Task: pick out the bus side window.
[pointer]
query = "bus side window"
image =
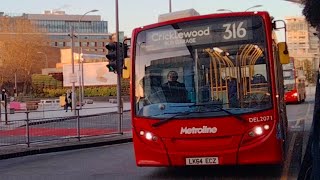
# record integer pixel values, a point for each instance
(258, 78)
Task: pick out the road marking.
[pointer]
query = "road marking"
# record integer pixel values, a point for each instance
(285, 171)
(305, 116)
(304, 139)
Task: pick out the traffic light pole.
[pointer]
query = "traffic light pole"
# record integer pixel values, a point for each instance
(73, 100)
(119, 73)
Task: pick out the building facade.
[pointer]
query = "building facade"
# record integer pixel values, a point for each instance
(303, 44)
(90, 31)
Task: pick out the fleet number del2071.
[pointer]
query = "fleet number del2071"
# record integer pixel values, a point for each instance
(260, 119)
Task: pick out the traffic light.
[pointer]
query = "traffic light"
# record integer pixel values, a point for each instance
(125, 50)
(114, 62)
(112, 56)
(124, 54)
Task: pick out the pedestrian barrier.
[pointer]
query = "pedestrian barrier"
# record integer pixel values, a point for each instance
(30, 127)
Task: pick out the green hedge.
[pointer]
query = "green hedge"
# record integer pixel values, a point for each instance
(46, 86)
(88, 91)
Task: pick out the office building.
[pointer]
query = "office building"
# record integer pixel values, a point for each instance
(303, 44)
(91, 32)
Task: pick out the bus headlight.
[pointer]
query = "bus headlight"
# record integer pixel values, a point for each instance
(148, 135)
(295, 94)
(266, 127)
(258, 130)
(254, 134)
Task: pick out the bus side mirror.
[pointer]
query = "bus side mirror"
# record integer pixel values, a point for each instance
(127, 68)
(283, 53)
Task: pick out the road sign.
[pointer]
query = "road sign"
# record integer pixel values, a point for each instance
(73, 77)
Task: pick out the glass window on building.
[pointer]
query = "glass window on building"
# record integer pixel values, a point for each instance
(99, 44)
(60, 44)
(301, 27)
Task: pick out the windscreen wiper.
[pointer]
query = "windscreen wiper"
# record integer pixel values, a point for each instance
(220, 109)
(161, 122)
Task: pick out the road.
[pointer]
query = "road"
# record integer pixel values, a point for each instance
(117, 161)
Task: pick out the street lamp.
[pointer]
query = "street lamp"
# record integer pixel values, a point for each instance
(169, 6)
(72, 77)
(256, 6)
(81, 78)
(224, 10)
(45, 57)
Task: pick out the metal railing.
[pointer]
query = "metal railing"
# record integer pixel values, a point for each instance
(29, 127)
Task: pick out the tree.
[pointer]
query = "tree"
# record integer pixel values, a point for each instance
(308, 71)
(19, 46)
(312, 13)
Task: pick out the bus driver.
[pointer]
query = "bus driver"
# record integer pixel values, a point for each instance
(174, 91)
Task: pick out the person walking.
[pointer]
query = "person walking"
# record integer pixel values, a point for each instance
(68, 100)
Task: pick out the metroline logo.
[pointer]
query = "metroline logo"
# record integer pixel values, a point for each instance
(201, 130)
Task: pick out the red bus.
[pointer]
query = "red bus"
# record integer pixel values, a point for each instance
(208, 90)
(294, 83)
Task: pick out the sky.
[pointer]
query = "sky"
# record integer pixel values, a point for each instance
(136, 13)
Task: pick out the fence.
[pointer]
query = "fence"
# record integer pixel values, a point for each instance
(53, 125)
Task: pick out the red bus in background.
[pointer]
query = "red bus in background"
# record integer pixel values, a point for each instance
(294, 83)
(227, 107)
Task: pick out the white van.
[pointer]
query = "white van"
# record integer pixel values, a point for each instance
(49, 103)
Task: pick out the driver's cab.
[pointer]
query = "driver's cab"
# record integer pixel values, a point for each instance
(213, 75)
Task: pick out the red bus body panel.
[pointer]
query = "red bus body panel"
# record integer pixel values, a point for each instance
(172, 148)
